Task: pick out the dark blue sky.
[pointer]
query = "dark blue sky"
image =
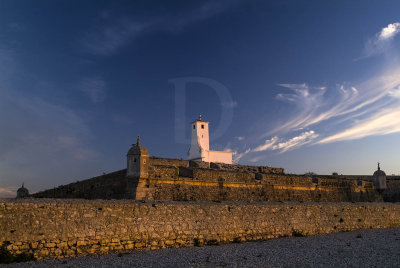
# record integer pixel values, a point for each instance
(303, 85)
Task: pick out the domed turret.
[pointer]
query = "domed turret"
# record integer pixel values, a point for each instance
(137, 161)
(137, 149)
(22, 192)
(379, 179)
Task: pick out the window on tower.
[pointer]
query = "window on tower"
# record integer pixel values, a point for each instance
(194, 126)
(202, 126)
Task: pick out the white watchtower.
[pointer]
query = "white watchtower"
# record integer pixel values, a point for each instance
(200, 145)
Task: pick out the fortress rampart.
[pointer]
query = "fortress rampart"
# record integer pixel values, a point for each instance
(51, 228)
(183, 180)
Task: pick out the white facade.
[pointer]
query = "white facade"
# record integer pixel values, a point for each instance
(200, 145)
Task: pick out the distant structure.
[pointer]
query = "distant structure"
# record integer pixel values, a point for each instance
(137, 158)
(22, 192)
(200, 145)
(205, 177)
(379, 179)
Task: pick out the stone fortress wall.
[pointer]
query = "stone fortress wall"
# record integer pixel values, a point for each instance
(392, 193)
(51, 228)
(183, 180)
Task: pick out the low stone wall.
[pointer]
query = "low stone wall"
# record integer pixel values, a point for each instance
(51, 228)
(188, 189)
(244, 169)
(218, 175)
(163, 172)
(199, 164)
(156, 161)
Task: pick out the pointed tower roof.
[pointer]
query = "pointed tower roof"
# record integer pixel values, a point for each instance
(137, 148)
(379, 172)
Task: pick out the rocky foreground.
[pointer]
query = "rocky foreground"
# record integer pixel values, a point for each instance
(364, 248)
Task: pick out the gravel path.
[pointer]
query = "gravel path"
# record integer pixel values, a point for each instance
(364, 248)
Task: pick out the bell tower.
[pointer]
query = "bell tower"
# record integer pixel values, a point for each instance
(200, 141)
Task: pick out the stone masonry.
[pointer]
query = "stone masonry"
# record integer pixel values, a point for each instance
(54, 228)
(182, 180)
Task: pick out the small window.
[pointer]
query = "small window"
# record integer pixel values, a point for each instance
(202, 126)
(134, 159)
(194, 126)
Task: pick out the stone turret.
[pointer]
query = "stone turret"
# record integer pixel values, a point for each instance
(379, 179)
(137, 161)
(22, 192)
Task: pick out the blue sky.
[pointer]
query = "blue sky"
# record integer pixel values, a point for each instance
(303, 85)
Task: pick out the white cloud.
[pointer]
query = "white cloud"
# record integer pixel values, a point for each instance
(295, 142)
(239, 138)
(311, 106)
(95, 88)
(371, 108)
(389, 31)
(276, 143)
(380, 43)
(395, 93)
(315, 106)
(269, 144)
(376, 98)
(237, 156)
(361, 110)
(381, 123)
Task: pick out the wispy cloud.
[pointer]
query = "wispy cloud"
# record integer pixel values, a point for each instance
(38, 137)
(286, 145)
(295, 142)
(353, 111)
(237, 156)
(230, 104)
(110, 35)
(239, 138)
(370, 108)
(381, 42)
(384, 122)
(313, 106)
(95, 88)
(268, 145)
(198, 13)
(108, 39)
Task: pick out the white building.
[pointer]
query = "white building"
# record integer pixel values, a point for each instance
(200, 145)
